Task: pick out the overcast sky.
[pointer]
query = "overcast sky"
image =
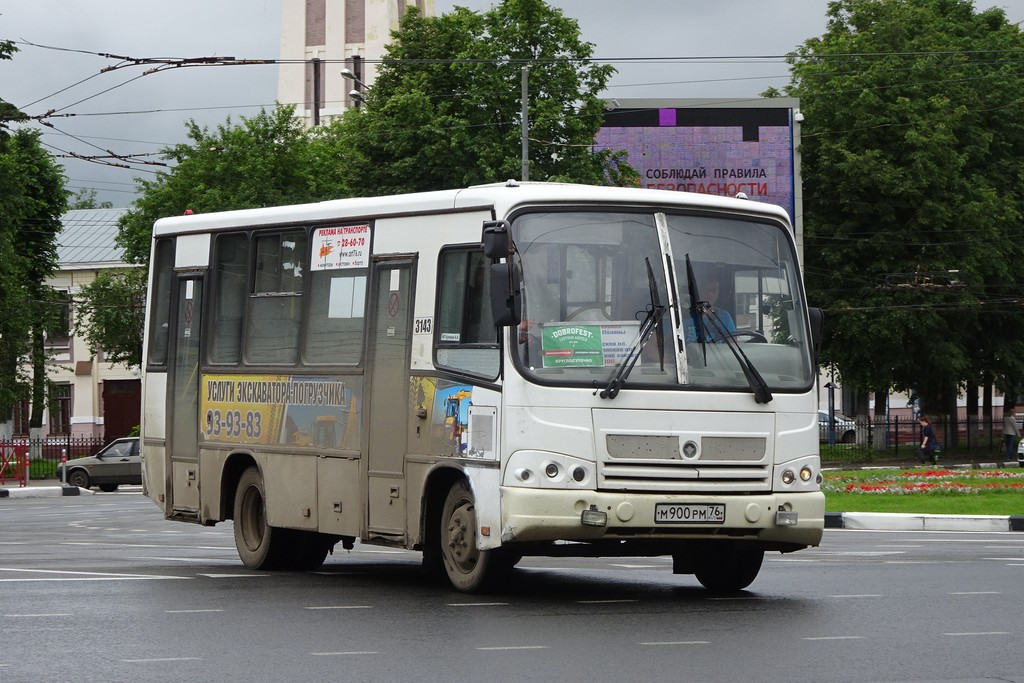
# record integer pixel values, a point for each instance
(107, 106)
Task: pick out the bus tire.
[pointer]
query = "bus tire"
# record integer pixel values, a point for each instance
(259, 545)
(469, 569)
(309, 550)
(728, 566)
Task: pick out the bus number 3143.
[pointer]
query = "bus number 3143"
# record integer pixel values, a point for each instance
(232, 423)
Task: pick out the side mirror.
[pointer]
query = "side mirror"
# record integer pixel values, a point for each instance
(495, 239)
(506, 299)
(817, 320)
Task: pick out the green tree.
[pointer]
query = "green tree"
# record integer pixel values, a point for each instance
(86, 199)
(266, 160)
(32, 200)
(445, 109)
(911, 148)
(109, 315)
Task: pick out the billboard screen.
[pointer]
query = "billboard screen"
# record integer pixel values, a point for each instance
(712, 150)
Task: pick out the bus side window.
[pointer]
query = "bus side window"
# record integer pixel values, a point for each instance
(275, 308)
(230, 289)
(466, 339)
(160, 298)
(337, 315)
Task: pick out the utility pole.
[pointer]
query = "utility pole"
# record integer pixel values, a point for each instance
(526, 124)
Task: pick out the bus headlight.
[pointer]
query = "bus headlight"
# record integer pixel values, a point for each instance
(788, 477)
(547, 470)
(805, 473)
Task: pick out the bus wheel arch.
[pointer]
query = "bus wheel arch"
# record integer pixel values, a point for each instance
(439, 483)
(469, 569)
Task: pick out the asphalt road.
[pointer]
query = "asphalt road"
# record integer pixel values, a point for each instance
(101, 588)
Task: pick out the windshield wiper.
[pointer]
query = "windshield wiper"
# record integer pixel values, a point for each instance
(696, 312)
(701, 311)
(651, 323)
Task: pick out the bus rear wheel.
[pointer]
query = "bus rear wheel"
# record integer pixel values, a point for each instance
(259, 545)
(469, 569)
(728, 566)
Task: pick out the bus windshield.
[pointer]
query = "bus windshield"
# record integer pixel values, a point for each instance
(591, 278)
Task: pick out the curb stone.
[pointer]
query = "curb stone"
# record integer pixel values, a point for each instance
(884, 521)
(41, 492)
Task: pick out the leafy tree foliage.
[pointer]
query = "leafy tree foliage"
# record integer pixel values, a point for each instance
(266, 160)
(445, 109)
(32, 200)
(86, 199)
(913, 192)
(110, 312)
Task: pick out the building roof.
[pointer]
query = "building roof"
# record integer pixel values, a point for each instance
(87, 238)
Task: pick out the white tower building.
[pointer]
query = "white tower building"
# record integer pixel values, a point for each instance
(319, 38)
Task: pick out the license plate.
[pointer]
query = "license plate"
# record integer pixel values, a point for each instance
(675, 513)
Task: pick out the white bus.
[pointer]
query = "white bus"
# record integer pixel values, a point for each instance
(487, 373)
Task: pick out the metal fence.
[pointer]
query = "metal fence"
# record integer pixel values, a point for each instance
(51, 448)
(897, 438)
(46, 453)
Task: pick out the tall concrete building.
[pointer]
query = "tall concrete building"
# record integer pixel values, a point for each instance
(319, 38)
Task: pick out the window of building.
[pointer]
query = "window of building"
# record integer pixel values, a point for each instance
(21, 415)
(58, 332)
(60, 409)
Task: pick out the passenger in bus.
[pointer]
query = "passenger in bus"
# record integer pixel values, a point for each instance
(706, 330)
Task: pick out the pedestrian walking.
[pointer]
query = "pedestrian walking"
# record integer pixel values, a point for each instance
(929, 450)
(1011, 432)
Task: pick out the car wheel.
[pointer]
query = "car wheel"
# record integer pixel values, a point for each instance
(108, 488)
(79, 478)
(850, 436)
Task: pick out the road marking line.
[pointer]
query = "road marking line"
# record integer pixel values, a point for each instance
(342, 607)
(976, 593)
(835, 638)
(233, 576)
(190, 611)
(980, 633)
(338, 654)
(854, 595)
(161, 659)
(633, 566)
(515, 647)
(680, 642)
(81, 576)
(19, 616)
(477, 604)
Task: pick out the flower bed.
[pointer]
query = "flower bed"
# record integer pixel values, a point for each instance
(932, 481)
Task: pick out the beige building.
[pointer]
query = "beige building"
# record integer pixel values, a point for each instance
(320, 38)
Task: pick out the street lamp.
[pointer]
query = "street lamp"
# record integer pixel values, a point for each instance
(355, 94)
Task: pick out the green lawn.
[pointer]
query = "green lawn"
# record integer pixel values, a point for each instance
(927, 491)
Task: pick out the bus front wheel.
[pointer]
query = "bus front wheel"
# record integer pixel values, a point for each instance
(259, 545)
(468, 568)
(728, 566)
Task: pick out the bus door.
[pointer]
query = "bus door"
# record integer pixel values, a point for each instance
(183, 432)
(389, 347)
